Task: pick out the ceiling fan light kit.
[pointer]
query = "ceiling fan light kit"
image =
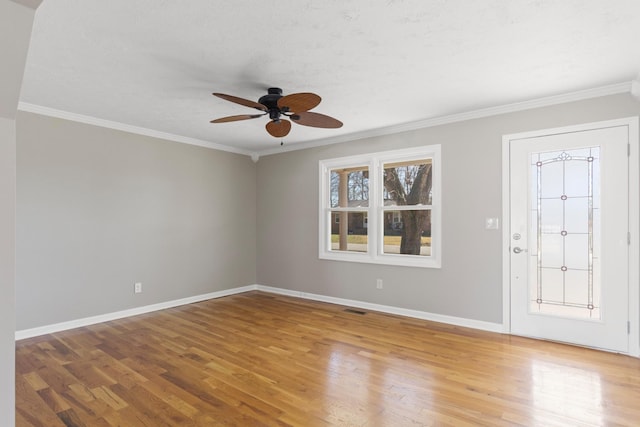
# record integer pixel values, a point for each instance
(295, 106)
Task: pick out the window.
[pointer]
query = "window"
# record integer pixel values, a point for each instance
(382, 208)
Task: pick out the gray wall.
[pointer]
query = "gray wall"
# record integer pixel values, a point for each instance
(99, 209)
(15, 32)
(469, 284)
(16, 21)
(7, 269)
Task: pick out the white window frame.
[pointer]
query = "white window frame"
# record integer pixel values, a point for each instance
(375, 211)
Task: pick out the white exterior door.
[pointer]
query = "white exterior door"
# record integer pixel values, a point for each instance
(569, 234)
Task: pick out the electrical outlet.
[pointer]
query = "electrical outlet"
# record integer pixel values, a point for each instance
(379, 284)
(137, 288)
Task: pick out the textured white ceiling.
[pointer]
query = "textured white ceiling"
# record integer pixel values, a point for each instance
(154, 63)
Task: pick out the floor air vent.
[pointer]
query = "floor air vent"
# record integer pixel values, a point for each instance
(354, 311)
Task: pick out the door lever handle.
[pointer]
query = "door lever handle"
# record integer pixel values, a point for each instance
(517, 250)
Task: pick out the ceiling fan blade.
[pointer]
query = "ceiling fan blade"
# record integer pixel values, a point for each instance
(299, 102)
(236, 118)
(241, 101)
(279, 129)
(315, 120)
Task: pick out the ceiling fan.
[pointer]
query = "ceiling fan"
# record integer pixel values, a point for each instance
(295, 106)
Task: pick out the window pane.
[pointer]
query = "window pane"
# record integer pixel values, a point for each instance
(407, 183)
(407, 232)
(350, 187)
(349, 231)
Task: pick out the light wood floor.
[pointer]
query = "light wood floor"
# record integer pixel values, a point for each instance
(258, 359)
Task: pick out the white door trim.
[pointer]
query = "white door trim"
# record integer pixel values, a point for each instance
(634, 220)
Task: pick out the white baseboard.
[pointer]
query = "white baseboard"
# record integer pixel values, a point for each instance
(63, 326)
(424, 315)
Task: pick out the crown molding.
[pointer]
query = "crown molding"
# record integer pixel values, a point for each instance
(632, 87)
(60, 114)
(625, 87)
(32, 4)
(635, 87)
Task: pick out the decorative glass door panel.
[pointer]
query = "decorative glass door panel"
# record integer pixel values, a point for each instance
(565, 206)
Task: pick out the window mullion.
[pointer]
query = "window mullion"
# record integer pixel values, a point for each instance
(374, 201)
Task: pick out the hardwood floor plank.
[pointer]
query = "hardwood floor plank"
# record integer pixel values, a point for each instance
(114, 369)
(257, 359)
(171, 399)
(53, 400)
(31, 408)
(35, 381)
(70, 418)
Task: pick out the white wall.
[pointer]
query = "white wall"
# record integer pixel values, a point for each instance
(100, 209)
(469, 284)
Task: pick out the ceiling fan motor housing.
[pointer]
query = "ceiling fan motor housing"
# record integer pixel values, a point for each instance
(271, 102)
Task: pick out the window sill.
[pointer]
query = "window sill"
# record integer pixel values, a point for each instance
(397, 260)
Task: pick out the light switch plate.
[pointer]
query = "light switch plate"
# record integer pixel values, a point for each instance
(492, 223)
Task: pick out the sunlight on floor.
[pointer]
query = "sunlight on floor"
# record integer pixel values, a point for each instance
(564, 393)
